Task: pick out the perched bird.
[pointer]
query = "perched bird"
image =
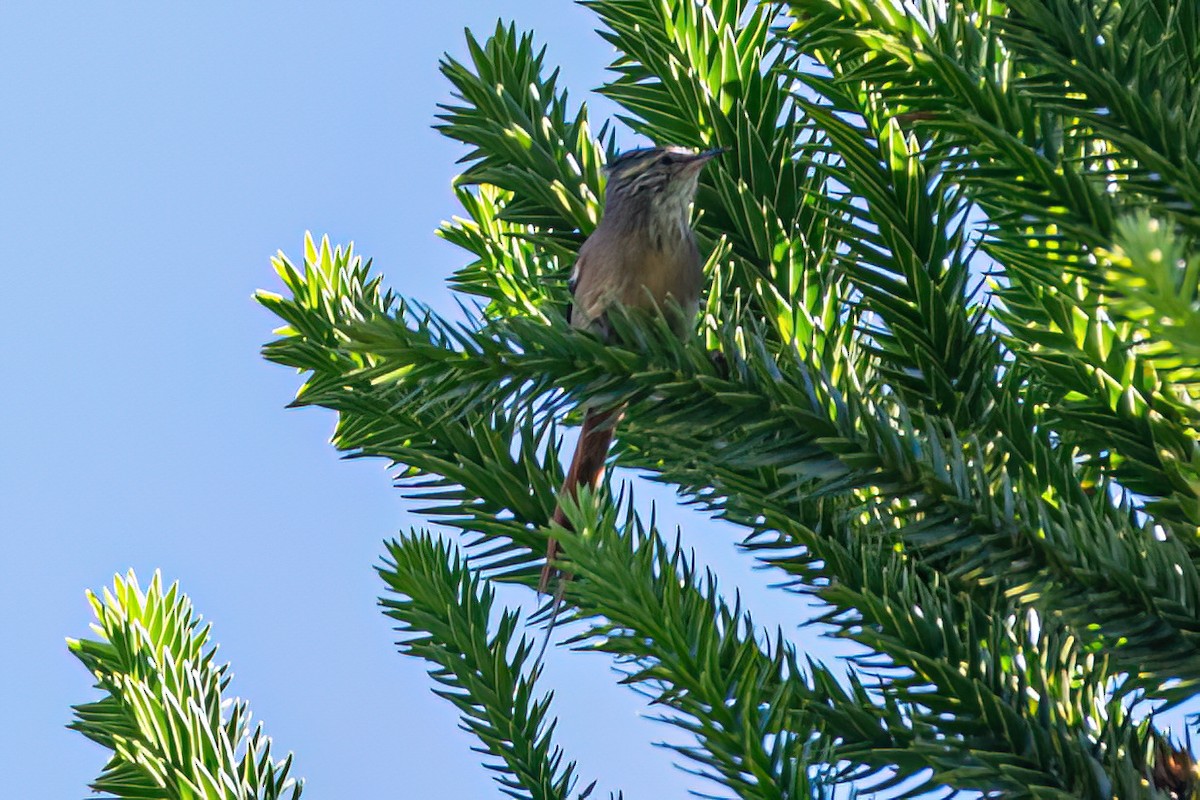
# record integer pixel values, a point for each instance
(642, 253)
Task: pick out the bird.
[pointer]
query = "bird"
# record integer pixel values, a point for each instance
(642, 254)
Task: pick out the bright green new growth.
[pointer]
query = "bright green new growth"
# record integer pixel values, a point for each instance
(171, 732)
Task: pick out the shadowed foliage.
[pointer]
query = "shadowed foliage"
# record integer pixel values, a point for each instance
(953, 284)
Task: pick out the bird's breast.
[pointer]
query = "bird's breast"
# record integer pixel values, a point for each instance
(661, 269)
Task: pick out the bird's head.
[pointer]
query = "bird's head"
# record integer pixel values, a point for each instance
(655, 179)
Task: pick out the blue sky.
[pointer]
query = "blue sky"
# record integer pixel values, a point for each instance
(154, 157)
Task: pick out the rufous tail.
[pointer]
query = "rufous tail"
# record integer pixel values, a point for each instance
(587, 469)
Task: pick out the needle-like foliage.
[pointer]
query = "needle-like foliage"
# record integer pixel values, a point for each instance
(483, 674)
(171, 732)
(953, 288)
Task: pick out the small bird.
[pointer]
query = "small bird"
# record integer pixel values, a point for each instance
(642, 253)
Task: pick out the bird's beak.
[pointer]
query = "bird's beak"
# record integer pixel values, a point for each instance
(698, 160)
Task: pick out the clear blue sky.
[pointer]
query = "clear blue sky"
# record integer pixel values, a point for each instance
(152, 157)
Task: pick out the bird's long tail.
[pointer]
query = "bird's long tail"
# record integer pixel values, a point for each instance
(587, 469)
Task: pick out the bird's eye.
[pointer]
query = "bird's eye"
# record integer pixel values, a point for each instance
(667, 159)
